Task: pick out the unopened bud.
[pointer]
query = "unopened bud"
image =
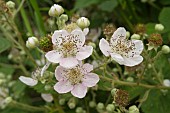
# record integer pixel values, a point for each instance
(64, 17)
(10, 4)
(92, 104)
(127, 34)
(56, 10)
(110, 107)
(159, 27)
(135, 36)
(166, 82)
(47, 87)
(79, 110)
(113, 91)
(71, 105)
(8, 100)
(83, 22)
(92, 44)
(130, 79)
(165, 49)
(100, 105)
(133, 109)
(32, 42)
(62, 101)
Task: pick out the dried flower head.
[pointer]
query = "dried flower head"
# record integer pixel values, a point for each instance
(108, 30)
(45, 43)
(121, 97)
(140, 29)
(155, 39)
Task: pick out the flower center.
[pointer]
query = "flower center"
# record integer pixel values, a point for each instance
(123, 47)
(74, 75)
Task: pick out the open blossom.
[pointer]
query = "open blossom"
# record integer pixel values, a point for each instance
(69, 48)
(76, 79)
(125, 52)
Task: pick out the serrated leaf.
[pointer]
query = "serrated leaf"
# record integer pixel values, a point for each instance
(164, 18)
(157, 102)
(108, 5)
(4, 44)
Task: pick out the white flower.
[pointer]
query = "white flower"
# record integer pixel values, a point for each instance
(125, 52)
(56, 10)
(83, 22)
(47, 97)
(32, 42)
(69, 48)
(75, 80)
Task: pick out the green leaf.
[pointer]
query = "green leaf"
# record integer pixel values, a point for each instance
(150, 28)
(157, 102)
(84, 3)
(108, 5)
(164, 18)
(4, 44)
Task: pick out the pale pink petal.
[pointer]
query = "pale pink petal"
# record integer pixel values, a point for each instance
(47, 97)
(132, 61)
(86, 31)
(45, 68)
(104, 47)
(28, 81)
(63, 86)
(87, 67)
(69, 62)
(59, 73)
(53, 56)
(117, 57)
(90, 80)
(138, 46)
(79, 37)
(79, 91)
(84, 52)
(119, 33)
(58, 36)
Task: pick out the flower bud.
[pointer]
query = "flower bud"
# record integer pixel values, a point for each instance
(165, 49)
(47, 87)
(83, 22)
(100, 105)
(127, 34)
(62, 101)
(32, 42)
(92, 104)
(64, 17)
(135, 36)
(8, 100)
(110, 107)
(130, 79)
(79, 110)
(166, 82)
(71, 105)
(113, 91)
(10, 4)
(56, 10)
(133, 109)
(92, 44)
(159, 27)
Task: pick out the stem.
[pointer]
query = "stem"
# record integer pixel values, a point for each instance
(27, 107)
(134, 84)
(20, 5)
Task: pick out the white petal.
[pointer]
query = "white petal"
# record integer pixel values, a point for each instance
(138, 46)
(59, 73)
(87, 67)
(28, 81)
(63, 86)
(117, 57)
(45, 68)
(79, 37)
(69, 62)
(47, 97)
(90, 80)
(58, 36)
(84, 52)
(132, 61)
(53, 56)
(86, 31)
(104, 47)
(79, 91)
(119, 33)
